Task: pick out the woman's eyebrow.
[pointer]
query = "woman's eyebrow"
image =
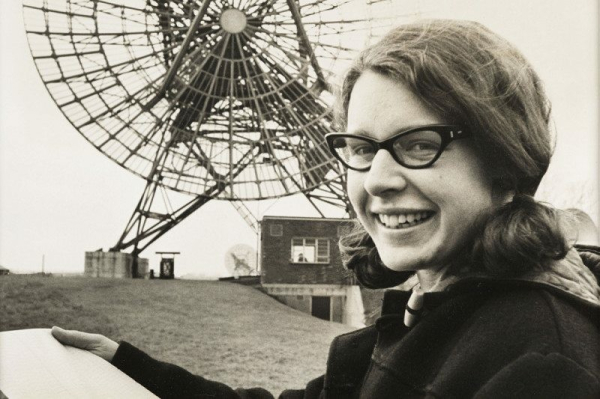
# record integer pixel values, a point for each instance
(361, 132)
(366, 134)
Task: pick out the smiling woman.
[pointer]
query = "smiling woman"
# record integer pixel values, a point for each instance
(446, 141)
(432, 73)
(452, 192)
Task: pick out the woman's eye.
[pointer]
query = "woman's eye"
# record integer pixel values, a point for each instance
(361, 149)
(423, 146)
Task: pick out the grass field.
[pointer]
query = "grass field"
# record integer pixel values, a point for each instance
(222, 331)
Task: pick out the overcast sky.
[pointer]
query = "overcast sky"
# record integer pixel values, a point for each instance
(60, 197)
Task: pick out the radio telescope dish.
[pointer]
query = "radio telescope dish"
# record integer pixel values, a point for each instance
(240, 260)
(220, 99)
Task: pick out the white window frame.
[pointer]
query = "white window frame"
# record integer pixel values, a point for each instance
(321, 243)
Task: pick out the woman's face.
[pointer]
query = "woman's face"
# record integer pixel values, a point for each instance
(438, 205)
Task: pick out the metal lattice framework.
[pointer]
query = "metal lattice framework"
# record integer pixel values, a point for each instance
(217, 99)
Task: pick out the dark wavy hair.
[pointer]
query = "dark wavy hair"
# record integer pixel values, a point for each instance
(471, 76)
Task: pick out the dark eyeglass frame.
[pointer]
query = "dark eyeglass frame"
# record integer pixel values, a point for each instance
(448, 133)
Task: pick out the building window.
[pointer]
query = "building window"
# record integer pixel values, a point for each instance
(276, 230)
(310, 250)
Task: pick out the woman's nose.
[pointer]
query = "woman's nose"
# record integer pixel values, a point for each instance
(385, 175)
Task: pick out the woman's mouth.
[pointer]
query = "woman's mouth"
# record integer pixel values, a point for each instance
(404, 220)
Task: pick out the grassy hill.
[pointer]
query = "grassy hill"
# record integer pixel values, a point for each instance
(223, 331)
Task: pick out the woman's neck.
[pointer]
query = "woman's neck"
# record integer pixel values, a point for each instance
(435, 279)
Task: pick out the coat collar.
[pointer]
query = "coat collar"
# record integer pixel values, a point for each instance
(571, 275)
(574, 277)
(456, 302)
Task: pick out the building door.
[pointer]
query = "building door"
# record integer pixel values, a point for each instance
(167, 266)
(321, 307)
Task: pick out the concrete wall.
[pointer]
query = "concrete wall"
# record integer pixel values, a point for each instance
(113, 264)
(346, 302)
(143, 268)
(337, 308)
(298, 302)
(277, 265)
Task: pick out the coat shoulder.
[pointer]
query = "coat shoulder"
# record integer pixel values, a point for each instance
(515, 327)
(538, 320)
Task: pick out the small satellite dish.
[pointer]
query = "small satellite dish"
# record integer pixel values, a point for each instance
(240, 260)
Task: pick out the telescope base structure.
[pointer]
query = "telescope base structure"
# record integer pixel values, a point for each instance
(115, 265)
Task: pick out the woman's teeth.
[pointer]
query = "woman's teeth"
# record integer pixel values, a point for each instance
(403, 220)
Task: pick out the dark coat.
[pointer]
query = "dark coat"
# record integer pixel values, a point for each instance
(479, 338)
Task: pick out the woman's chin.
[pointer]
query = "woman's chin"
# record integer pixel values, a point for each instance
(406, 260)
(398, 265)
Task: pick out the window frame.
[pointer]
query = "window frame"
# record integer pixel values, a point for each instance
(319, 260)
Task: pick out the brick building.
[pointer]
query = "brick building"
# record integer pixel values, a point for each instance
(301, 267)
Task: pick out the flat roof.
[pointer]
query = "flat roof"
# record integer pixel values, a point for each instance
(317, 219)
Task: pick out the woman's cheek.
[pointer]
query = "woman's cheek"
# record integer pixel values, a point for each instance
(355, 189)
